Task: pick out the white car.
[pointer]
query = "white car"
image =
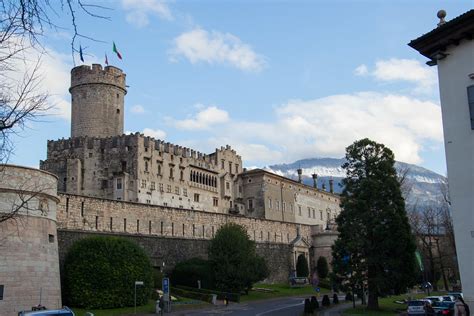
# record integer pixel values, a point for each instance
(416, 307)
(434, 298)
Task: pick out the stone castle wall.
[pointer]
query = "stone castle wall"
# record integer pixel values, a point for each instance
(29, 267)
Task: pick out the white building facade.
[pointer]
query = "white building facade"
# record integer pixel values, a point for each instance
(451, 47)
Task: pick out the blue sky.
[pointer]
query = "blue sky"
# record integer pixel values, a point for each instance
(276, 80)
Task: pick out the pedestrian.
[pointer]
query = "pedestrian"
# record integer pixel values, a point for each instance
(429, 310)
(461, 308)
(161, 304)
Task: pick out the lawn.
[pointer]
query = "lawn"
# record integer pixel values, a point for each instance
(280, 290)
(387, 305)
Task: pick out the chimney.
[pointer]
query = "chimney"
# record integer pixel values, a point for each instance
(324, 186)
(441, 15)
(300, 173)
(315, 180)
(331, 185)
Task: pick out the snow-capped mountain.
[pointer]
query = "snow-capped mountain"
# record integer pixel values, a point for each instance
(424, 186)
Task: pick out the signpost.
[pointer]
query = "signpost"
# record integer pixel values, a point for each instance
(136, 284)
(166, 293)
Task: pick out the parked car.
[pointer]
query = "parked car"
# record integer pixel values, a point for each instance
(444, 308)
(434, 299)
(456, 294)
(416, 307)
(449, 298)
(65, 311)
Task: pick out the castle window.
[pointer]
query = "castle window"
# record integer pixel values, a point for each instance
(161, 187)
(90, 155)
(309, 212)
(227, 186)
(249, 180)
(203, 231)
(314, 214)
(118, 111)
(261, 235)
(269, 203)
(152, 185)
(51, 238)
(230, 167)
(321, 215)
(277, 205)
(196, 197)
(124, 224)
(181, 175)
(185, 192)
(222, 164)
(149, 227)
(82, 209)
(111, 223)
(183, 229)
(283, 206)
(117, 95)
(215, 201)
(236, 168)
(143, 184)
(171, 173)
(250, 204)
(146, 166)
(268, 236)
(172, 229)
(299, 210)
(124, 165)
(240, 189)
(168, 188)
(97, 222)
(176, 190)
(194, 229)
(161, 228)
(119, 184)
(159, 169)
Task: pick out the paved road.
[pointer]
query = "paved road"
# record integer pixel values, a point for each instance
(288, 306)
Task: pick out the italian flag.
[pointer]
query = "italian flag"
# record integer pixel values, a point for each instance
(116, 51)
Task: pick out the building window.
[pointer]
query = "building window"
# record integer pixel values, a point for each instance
(51, 238)
(1, 291)
(176, 190)
(230, 167)
(181, 175)
(321, 215)
(299, 210)
(309, 212)
(124, 224)
(250, 204)
(143, 184)
(185, 192)
(152, 185)
(215, 201)
(227, 186)
(82, 209)
(277, 205)
(284, 206)
(222, 164)
(149, 227)
(111, 224)
(314, 213)
(138, 225)
(168, 188)
(159, 169)
(161, 228)
(119, 183)
(171, 173)
(146, 166)
(470, 101)
(236, 168)
(196, 197)
(269, 203)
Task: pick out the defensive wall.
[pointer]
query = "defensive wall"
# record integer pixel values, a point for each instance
(171, 235)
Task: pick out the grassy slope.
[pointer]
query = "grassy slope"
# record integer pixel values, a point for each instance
(280, 290)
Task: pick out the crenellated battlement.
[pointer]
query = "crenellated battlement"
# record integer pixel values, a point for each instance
(95, 74)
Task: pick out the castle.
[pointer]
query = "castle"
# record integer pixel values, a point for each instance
(100, 161)
(169, 199)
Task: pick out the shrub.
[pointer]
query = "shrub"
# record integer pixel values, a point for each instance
(322, 267)
(100, 272)
(206, 297)
(188, 273)
(233, 259)
(302, 270)
(335, 299)
(233, 297)
(326, 302)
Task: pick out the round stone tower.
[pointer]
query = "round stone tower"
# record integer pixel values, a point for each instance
(97, 101)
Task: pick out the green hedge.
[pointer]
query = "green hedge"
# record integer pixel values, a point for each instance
(233, 297)
(100, 272)
(188, 272)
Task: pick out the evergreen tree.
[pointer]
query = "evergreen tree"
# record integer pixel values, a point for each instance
(302, 270)
(234, 261)
(375, 247)
(322, 267)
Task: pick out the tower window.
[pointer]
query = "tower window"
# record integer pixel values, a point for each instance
(118, 111)
(470, 101)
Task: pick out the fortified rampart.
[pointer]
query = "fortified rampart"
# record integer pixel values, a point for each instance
(171, 235)
(29, 267)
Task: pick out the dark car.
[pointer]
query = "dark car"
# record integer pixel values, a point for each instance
(444, 308)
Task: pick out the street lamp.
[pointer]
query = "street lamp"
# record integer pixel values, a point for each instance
(136, 284)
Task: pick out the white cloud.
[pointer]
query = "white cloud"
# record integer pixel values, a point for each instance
(361, 70)
(214, 47)
(326, 126)
(155, 133)
(140, 10)
(397, 70)
(204, 119)
(53, 73)
(137, 109)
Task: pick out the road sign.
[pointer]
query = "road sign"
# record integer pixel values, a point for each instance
(317, 289)
(166, 289)
(138, 282)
